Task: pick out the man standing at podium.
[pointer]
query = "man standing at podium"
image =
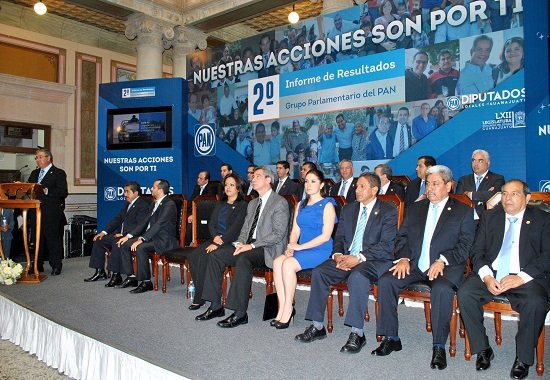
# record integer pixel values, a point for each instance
(54, 181)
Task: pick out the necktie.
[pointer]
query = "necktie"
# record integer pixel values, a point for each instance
(154, 209)
(402, 139)
(422, 188)
(431, 222)
(357, 242)
(201, 190)
(343, 188)
(41, 175)
(505, 253)
(478, 181)
(279, 185)
(254, 221)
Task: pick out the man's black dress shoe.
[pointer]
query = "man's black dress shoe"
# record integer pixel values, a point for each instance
(233, 321)
(519, 370)
(311, 334)
(209, 314)
(354, 344)
(387, 347)
(195, 306)
(56, 271)
(129, 282)
(439, 358)
(116, 279)
(98, 275)
(143, 287)
(484, 358)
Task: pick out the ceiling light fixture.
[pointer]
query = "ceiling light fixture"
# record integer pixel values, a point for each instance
(293, 17)
(40, 8)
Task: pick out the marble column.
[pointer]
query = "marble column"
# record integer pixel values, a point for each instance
(185, 41)
(153, 36)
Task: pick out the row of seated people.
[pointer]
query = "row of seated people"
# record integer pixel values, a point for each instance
(432, 244)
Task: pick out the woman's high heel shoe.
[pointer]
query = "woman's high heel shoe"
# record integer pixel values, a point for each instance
(284, 325)
(273, 322)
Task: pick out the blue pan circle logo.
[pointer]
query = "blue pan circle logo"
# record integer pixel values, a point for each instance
(545, 186)
(205, 140)
(110, 193)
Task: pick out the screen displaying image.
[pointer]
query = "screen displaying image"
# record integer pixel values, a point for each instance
(139, 128)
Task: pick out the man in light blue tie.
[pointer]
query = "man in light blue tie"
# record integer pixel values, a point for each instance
(346, 187)
(511, 258)
(482, 184)
(432, 245)
(362, 252)
(416, 189)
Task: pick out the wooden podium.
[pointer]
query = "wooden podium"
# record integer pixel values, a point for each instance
(24, 196)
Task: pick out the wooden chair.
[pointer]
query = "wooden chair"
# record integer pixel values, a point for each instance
(201, 207)
(500, 305)
(421, 291)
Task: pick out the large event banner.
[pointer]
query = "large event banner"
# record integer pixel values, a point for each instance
(368, 81)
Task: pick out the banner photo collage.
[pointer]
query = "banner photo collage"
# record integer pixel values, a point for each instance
(365, 83)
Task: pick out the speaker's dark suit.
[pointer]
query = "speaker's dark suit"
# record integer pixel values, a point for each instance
(198, 258)
(159, 237)
(413, 191)
(271, 239)
(247, 186)
(127, 221)
(489, 186)
(378, 240)
(529, 299)
(209, 189)
(53, 215)
(453, 237)
(393, 132)
(289, 187)
(397, 189)
(375, 150)
(350, 197)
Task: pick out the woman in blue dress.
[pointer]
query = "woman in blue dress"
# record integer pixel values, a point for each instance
(310, 244)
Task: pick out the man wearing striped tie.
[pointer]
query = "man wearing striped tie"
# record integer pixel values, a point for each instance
(482, 184)
(54, 182)
(511, 258)
(362, 252)
(432, 245)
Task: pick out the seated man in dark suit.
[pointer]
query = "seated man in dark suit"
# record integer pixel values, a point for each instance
(160, 236)
(248, 189)
(482, 184)
(283, 185)
(263, 237)
(362, 252)
(346, 187)
(225, 169)
(306, 167)
(131, 219)
(384, 172)
(417, 187)
(511, 258)
(432, 245)
(203, 187)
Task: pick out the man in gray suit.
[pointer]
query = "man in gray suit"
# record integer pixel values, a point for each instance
(263, 237)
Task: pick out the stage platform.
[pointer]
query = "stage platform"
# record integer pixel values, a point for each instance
(90, 332)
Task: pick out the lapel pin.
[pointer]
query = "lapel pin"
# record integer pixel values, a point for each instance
(448, 208)
(376, 213)
(528, 222)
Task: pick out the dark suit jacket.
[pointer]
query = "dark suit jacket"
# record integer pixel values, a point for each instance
(233, 221)
(393, 132)
(272, 227)
(52, 204)
(134, 219)
(534, 243)
(162, 230)
(289, 187)
(489, 186)
(351, 191)
(374, 148)
(453, 236)
(397, 189)
(247, 186)
(210, 189)
(411, 193)
(378, 239)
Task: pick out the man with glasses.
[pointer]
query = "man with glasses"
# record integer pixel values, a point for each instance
(54, 182)
(248, 189)
(416, 82)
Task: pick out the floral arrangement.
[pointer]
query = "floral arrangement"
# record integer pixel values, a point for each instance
(10, 271)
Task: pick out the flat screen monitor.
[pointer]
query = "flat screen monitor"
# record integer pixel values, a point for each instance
(139, 128)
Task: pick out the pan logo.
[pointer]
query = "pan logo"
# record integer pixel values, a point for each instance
(110, 193)
(544, 185)
(453, 103)
(205, 140)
